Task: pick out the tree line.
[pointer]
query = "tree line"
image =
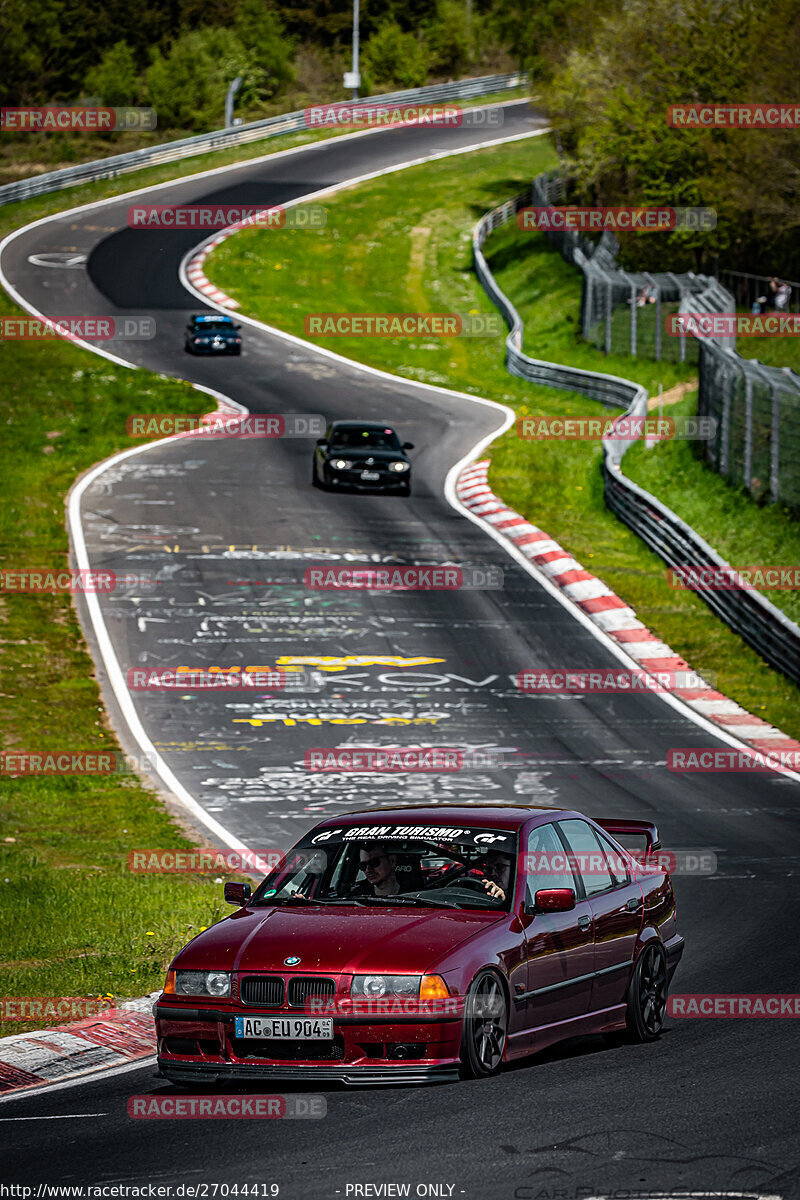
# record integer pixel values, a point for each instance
(606, 73)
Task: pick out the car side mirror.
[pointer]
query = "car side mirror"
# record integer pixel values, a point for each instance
(321, 442)
(549, 900)
(237, 327)
(408, 445)
(238, 893)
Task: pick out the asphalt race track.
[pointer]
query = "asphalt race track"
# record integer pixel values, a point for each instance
(227, 529)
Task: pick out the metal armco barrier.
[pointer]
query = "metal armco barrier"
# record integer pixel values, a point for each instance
(763, 626)
(220, 139)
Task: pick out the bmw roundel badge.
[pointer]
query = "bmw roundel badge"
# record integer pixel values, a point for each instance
(291, 961)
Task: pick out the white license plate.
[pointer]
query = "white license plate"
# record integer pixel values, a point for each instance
(293, 1029)
(370, 474)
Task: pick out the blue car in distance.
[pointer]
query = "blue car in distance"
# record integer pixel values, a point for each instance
(212, 333)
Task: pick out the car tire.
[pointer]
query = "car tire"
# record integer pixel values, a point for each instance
(485, 1032)
(314, 477)
(647, 995)
(405, 490)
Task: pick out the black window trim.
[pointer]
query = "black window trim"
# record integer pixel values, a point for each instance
(576, 873)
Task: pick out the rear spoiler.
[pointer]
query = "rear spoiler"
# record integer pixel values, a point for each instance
(645, 829)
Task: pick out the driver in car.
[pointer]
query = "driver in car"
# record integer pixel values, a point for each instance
(379, 866)
(497, 870)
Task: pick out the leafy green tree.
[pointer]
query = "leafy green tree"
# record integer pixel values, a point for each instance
(115, 80)
(451, 38)
(30, 48)
(539, 33)
(262, 33)
(608, 101)
(187, 85)
(393, 59)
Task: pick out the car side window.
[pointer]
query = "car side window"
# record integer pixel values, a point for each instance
(546, 864)
(614, 860)
(590, 859)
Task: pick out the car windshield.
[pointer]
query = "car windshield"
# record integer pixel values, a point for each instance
(377, 866)
(225, 326)
(357, 438)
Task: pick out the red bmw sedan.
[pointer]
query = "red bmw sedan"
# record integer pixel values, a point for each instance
(420, 944)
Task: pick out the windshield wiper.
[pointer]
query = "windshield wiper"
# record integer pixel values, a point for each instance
(409, 900)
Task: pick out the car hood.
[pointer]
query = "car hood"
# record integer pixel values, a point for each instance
(332, 940)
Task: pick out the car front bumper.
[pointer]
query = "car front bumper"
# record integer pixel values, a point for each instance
(356, 1075)
(198, 1044)
(352, 481)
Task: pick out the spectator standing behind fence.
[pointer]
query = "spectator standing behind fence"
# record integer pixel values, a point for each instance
(782, 297)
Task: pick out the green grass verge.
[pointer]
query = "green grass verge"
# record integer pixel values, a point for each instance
(403, 243)
(743, 532)
(774, 352)
(75, 920)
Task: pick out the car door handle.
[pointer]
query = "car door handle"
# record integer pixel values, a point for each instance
(584, 923)
(633, 904)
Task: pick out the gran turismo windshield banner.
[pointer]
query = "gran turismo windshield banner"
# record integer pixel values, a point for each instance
(498, 838)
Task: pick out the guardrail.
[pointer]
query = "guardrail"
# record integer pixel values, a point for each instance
(610, 390)
(763, 626)
(220, 139)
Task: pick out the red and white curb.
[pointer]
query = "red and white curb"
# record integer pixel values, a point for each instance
(197, 276)
(617, 619)
(30, 1060)
(194, 264)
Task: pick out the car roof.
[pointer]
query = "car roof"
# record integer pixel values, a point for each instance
(203, 318)
(492, 816)
(380, 425)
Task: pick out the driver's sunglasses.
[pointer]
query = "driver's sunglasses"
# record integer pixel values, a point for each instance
(369, 864)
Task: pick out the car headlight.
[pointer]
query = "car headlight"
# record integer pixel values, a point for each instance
(385, 985)
(341, 464)
(202, 983)
(399, 466)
